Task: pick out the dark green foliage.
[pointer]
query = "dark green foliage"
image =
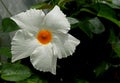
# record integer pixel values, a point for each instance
(9, 25)
(96, 23)
(6, 51)
(15, 72)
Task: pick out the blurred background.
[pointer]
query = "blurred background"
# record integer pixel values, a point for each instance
(12, 7)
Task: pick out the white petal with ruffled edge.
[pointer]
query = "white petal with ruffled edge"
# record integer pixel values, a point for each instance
(31, 20)
(64, 45)
(43, 59)
(23, 44)
(56, 21)
(70, 44)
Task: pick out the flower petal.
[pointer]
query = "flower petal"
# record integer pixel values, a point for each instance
(30, 20)
(70, 44)
(64, 45)
(57, 21)
(23, 44)
(43, 59)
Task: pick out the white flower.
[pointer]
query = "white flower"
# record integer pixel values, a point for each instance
(42, 37)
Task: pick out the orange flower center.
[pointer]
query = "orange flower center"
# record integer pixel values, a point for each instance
(44, 36)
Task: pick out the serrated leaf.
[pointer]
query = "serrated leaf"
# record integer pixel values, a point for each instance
(72, 20)
(6, 51)
(101, 69)
(108, 13)
(97, 26)
(42, 6)
(9, 25)
(15, 72)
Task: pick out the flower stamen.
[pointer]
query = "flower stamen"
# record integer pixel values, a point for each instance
(44, 36)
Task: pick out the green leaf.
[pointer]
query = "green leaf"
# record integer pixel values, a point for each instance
(108, 13)
(42, 6)
(111, 5)
(0, 26)
(15, 72)
(85, 27)
(116, 48)
(81, 81)
(97, 26)
(115, 42)
(62, 2)
(0, 41)
(34, 79)
(101, 69)
(9, 25)
(87, 10)
(112, 37)
(72, 20)
(6, 51)
(82, 2)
